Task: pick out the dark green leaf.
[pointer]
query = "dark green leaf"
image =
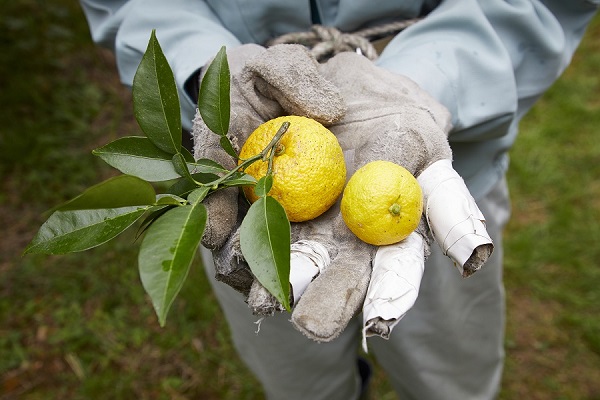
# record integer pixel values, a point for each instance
(198, 195)
(264, 185)
(78, 230)
(265, 244)
(155, 212)
(181, 166)
(213, 99)
(138, 156)
(166, 253)
(170, 199)
(239, 179)
(119, 191)
(155, 99)
(183, 187)
(228, 147)
(207, 166)
(189, 157)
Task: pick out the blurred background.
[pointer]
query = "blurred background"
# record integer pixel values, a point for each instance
(80, 326)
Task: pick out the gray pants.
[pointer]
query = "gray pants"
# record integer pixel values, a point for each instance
(448, 346)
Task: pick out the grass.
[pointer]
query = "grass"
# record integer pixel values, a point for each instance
(81, 327)
(551, 269)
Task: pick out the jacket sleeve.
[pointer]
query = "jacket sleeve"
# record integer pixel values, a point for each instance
(190, 34)
(486, 59)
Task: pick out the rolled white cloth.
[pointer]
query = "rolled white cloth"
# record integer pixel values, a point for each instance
(394, 285)
(308, 259)
(457, 224)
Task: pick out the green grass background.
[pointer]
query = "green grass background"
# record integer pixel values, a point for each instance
(80, 326)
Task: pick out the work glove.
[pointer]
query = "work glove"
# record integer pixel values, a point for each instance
(388, 118)
(410, 130)
(280, 85)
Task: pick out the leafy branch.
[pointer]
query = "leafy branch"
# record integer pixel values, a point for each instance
(174, 221)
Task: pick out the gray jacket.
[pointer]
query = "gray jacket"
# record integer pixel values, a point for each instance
(487, 61)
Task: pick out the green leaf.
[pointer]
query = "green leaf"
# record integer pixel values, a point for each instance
(265, 243)
(138, 156)
(154, 213)
(228, 147)
(207, 166)
(170, 199)
(167, 252)
(181, 166)
(155, 99)
(213, 98)
(116, 192)
(214, 102)
(264, 185)
(183, 187)
(198, 195)
(189, 158)
(78, 230)
(239, 179)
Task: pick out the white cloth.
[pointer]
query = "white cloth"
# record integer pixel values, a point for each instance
(394, 285)
(308, 259)
(456, 222)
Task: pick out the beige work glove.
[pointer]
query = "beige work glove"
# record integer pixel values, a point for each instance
(388, 118)
(281, 83)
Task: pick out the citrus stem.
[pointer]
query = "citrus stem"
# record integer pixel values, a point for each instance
(275, 151)
(267, 152)
(279, 149)
(395, 209)
(275, 141)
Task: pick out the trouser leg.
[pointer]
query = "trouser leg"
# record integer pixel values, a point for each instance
(289, 365)
(450, 344)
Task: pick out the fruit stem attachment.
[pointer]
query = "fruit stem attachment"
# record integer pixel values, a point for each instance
(267, 152)
(273, 148)
(279, 149)
(395, 209)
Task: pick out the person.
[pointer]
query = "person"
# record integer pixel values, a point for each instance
(487, 62)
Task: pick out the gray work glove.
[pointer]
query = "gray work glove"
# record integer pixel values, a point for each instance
(277, 82)
(388, 118)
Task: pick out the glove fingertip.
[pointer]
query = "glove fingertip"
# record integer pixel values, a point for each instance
(333, 298)
(222, 210)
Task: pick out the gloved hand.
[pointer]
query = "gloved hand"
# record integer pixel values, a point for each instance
(281, 84)
(411, 131)
(388, 118)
